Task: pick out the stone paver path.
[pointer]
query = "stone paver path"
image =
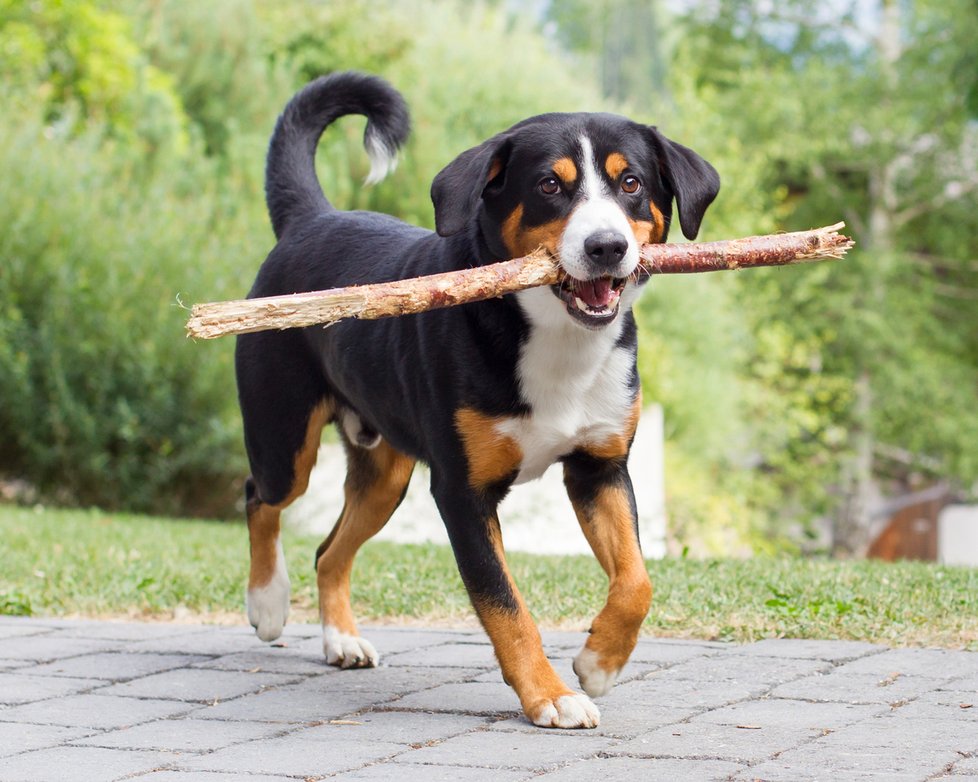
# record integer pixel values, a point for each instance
(91, 701)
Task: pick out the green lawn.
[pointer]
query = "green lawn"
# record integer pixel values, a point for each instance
(88, 563)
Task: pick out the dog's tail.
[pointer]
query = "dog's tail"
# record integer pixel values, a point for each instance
(291, 185)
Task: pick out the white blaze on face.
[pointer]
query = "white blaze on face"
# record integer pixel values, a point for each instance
(597, 212)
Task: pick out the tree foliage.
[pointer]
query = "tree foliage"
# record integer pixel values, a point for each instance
(134, 141)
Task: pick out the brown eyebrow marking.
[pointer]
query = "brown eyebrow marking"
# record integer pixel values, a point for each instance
(614, 164)
(566, 170)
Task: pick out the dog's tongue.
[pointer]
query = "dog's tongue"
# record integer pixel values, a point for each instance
(595, 293)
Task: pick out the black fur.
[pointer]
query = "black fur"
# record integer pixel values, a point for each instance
(407, 377)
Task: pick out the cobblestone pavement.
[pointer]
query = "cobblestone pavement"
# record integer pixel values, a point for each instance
(91, 701)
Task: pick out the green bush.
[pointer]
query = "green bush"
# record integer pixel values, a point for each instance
(103, 400)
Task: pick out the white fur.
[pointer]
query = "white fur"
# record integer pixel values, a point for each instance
(569, 711)
(268, 606)
(348, 651)
(597, 212)
(574, 379)
(595, 680)
(382, 160)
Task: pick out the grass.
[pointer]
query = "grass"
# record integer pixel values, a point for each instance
(87, 563)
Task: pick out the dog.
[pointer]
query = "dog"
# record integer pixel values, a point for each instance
(488, 394)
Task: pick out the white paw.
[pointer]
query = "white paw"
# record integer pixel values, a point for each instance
(594, 679)
(348, 651)
(569, 711)
(268, 606)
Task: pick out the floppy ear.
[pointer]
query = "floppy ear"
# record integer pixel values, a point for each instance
(694, 182)
(460, 185)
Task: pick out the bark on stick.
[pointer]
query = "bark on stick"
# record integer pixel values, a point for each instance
(418, 294)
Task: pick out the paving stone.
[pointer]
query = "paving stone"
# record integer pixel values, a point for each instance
(21, 737)
(91, 764)
(743, 668)
(114, 666)
(21, 630)
(781, 713)
(615, 722)
(398, 727)
(294, 756)
(817, 761)
(208, 644)
(406, 772)
(856, 688)
(491, 749)
(198, 685)
(19, 688)
(93, 711)
(389, 640)
(937, 663)
(270, 660)
(42, 648)
(813, 649)
(292, 704)
(966, 766)
(663, 690)
(707, 741)
(208, 776)
(129, 631)
(663, 653)
(643, 769)
(466, 697)
(451, 655)
(181, 735)
(945, 705)
(387, 681)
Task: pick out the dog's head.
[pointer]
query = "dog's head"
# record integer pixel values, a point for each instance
(588, 188)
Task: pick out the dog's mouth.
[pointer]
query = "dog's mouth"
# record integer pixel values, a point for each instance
(591, 302)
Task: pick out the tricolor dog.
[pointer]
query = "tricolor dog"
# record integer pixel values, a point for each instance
(487, 394)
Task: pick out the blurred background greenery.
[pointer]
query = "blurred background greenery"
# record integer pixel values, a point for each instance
(132, 146)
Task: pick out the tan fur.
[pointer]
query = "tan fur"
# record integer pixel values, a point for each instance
(566, 170)
(264, 521)
(614, 164)
(616, 446)
(521, 240)
(492, 456)
(608, 527)
(368, 506)
(518, 646)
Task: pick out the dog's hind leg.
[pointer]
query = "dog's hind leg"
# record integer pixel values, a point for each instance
(268, 579)
(601, 493)
(376, 481)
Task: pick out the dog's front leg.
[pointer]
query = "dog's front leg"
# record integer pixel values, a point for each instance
(473, 529)
(601, 493)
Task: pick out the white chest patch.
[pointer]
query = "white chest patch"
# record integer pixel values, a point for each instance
(575, 381)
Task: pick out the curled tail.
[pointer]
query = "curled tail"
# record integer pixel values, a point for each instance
(291, 185)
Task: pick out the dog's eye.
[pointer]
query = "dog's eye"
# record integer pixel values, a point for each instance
(630, 184)
(549, 186)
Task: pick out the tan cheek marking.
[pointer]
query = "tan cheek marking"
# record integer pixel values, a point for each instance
(566, 170)
(520, 240)
(659, 228)
(614, 164)
(492, 456)
(616, 446)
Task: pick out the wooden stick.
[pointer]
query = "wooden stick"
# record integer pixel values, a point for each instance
(418, 294)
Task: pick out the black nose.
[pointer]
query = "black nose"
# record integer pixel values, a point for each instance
(606, 248)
